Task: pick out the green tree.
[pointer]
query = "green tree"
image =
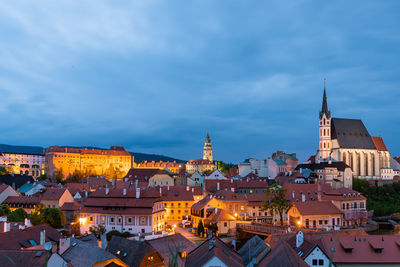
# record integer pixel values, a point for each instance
(223, 167)
(54, 217)
(200, 228)
(36, 215)
(277, 201)
(4, 210)
(98, 230)
(59, 175)
(4, 171)
(17, 215)
(360, 185)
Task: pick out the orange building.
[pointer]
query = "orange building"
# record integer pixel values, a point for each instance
(172, 166)
(113, 163)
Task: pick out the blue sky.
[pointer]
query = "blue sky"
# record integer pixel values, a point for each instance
(155, 76)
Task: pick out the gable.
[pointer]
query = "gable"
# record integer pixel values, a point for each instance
(317, 254)
(214, 261)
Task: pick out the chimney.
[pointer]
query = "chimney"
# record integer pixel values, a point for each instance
(160, 191)
(292, 194)
(113, 182)
(234, 244)
(192, 189)
(86, 194)
(217, 186)
(27, 222)
(107, 190)
(64, 245)
(231, 181)
(124, 191)
(319, 196)
(233, 189)
(6, 227)
(103, 239)
(216, 210)
(137, 192)
(187, 188)
(290, 173)
(303, 197)
(136, 183)
(42, 237)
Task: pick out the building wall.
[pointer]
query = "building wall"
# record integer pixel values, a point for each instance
(226, 227)
(214, 262)
(258, 167)
(8, 192)
(161, 180)
(176, 211)
(103, 163)
(317, 254)
(192, 168)
(321, 221)
(24, 164)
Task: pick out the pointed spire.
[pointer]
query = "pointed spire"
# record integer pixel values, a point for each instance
(325, 109)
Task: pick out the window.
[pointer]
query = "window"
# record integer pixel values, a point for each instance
(320, 262)
(186, 204)
(326, 221)
(225, 224)
(91, 219)
(314, 262)
(112, 219)
(320, 222)
(361, 205)
(179, 205)
(102, 219)
(343, 206)
(129, 220)
(143, 220)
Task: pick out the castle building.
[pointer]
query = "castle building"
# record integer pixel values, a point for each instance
(23, 163)
(349, 141)
(111, 163)
(204, 164)
(207, 151)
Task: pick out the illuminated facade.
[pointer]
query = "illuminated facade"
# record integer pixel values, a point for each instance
(172, 166)
(208, 151)
(24, 164)
(349, 141)
(112, 163)
(204, 164)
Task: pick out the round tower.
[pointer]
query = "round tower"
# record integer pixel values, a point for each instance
(207, 151)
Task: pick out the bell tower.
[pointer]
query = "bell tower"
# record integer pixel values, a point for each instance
(207, 151)
(325, 141)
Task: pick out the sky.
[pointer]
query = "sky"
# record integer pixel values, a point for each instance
(155, 76)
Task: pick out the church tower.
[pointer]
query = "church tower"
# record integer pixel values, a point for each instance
(207, 152)
(325, 141)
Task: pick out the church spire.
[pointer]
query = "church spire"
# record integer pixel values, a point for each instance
(325, 109)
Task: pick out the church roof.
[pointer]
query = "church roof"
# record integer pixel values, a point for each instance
(379, 144)
(351, 133)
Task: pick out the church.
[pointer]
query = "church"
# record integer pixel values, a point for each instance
(204, 164)
(348, 141)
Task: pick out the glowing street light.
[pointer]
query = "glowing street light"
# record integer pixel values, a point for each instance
(299, 223)
(82, 220)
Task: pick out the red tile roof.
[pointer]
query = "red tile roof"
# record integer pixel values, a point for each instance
(316, 208)
(23, 258)
(309, 190)
(363, 249)
(52, 193)
(142, 174)
(77, 187)
(70, 206)
(282, 255)
(379, 144)
(202, 254)
(177, 193)
(22, 200)
(20, 238)
(219, 215)
(114, 150)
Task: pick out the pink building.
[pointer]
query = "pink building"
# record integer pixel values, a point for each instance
(281, 162)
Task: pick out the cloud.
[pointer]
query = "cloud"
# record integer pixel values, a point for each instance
(155, 76)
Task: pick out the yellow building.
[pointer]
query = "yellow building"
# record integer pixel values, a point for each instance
(161, 165)
(112, 163)
(178, 201)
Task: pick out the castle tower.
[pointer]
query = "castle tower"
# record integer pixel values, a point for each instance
(207, 152)
(325, 141)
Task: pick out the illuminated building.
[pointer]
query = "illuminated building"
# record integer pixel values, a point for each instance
(348, 140)
(172, 166)
(24, 164)
(111, 163)
(133, 209)
(204, 164)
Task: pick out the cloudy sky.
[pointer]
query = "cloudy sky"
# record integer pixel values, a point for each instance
(155, 76)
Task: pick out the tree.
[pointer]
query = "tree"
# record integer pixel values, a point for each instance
(54, 217)
(59, 175)
(4, 171)
(17, 215)
(200, 228)
(277, 200)
(4, 210)
(223, 167)
(97, 230)
(36, 215)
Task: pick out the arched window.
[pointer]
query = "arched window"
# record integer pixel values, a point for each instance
(347, 206)
(324, 145)
(324, 122)
(324, 132)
